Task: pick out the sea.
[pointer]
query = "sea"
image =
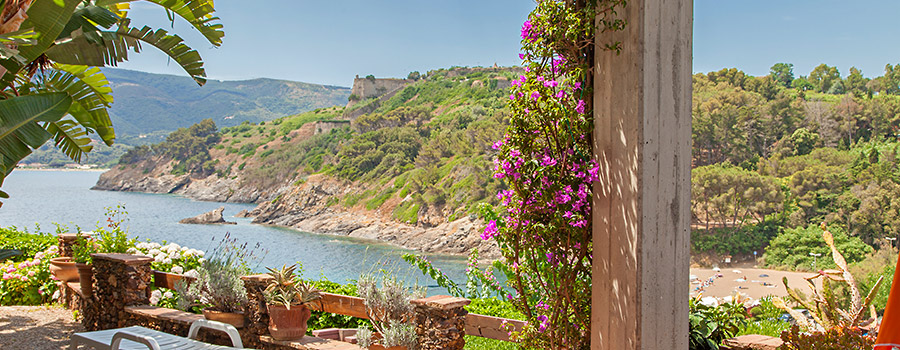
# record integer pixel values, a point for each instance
(51, 200)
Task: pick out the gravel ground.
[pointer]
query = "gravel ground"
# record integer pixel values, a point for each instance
(36, 327)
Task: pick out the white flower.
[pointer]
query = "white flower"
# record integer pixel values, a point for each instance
(174, 255)
(154, 297)
(160, 257)
(167, 261)
(192, 273)
(177, 269)
(168, 295)
(131, 251)
(154, 252)
(184, 249)
(201, 260)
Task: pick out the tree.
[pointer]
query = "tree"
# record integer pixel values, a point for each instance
(783, 74)
(728, 196)
(804, 141)
(802, 84)
(49, 54)
(792, 248)
(890, 83)
(855, 83)
(823, 76)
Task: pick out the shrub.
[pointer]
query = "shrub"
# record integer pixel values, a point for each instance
(791, 249)
(28, 282)
(29, 244)
(710, 325)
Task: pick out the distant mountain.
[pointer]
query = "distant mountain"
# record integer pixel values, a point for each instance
(146, 102)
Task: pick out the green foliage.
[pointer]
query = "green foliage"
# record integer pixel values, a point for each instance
(832, 339)
(710, 325)
(791, 249)
(27, 243)
(744, 240)
(28, 282)
(322, 320)
(109, 237)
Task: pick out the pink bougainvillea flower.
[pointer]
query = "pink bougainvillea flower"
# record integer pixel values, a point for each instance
(490, 230)
(580, 107)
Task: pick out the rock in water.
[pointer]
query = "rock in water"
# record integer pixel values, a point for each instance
(213, 217)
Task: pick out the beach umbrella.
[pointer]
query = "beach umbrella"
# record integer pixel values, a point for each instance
(889, 333)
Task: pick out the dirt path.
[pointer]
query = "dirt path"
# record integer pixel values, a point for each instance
(36, 327)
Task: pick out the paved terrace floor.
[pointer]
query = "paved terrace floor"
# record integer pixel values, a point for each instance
(36, 327)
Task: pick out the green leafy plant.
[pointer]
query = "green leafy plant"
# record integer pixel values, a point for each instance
(285, 289)
(109, 238)
(710, 325)
(27, 243)
(28, 282)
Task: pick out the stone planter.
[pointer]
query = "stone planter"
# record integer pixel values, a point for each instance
(63, 268)
(85, 277)
(235, 319)
(287, 324)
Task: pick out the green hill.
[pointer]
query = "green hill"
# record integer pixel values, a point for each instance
(145, 102)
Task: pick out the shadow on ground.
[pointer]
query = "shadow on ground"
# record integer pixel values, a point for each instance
(36, 327)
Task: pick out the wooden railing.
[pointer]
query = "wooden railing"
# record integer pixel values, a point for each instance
(477, 325)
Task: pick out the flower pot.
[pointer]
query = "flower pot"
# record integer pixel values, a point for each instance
(381, 347)
(285, 324)
(235, 319)
(86, 278)
(63, 268)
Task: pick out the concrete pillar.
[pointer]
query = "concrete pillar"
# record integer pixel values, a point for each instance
(641, 217)
(441, 322)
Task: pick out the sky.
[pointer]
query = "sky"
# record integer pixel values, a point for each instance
(329, 42)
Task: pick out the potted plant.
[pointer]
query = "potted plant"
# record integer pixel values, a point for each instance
(286, 302)
(85, 245)
(392, 316)
(218, 290)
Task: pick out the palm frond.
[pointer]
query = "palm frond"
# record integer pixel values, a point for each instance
(47, 18)
(71, 138)
(90, 90)
(87, 19)
(19, 128)
(199, 13)
(79, 51)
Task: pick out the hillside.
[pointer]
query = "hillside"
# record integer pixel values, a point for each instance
(407, 164)
(175, 101)
(149, 106)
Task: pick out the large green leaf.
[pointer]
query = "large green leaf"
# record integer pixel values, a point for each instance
(71, 138)
(86, 19)
(19, 128)
(92, 96)
(79, 51)
(199, 13)
(47, 18)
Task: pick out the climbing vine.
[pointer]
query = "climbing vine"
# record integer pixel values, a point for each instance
(546, 158)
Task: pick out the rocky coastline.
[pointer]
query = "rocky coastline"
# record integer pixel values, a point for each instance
(306, 207)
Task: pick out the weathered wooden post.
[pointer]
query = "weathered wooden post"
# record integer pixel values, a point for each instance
(641, 212)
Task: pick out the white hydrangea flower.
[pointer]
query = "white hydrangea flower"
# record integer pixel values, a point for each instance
(154, 252)
(160, 257)
(184, 249)
(131, 251)
(177, 269)
(168, 295)
(192, 273)
(167, 261)
(155, 296)
(154, 245)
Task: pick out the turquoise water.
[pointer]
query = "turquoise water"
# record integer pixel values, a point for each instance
(64, 197)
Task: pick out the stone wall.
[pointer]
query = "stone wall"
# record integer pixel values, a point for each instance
(325, 127)
(119, 280)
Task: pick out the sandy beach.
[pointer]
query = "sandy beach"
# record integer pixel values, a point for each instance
(754, 283)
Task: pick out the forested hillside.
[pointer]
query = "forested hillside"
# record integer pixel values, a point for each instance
(776, 156)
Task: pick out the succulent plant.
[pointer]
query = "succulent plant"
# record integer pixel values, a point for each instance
(823, 304)
(287, 290)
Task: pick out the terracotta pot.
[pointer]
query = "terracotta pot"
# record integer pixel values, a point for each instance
(63, 268)
(86, 278)
(235, 319)
(287, 324)
(381, 347)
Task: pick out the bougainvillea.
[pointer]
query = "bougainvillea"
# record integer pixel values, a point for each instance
(546, 158)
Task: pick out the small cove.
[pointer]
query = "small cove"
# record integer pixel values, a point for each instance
(45, 197)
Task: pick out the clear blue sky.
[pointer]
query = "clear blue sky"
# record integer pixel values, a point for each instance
(329, 42)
